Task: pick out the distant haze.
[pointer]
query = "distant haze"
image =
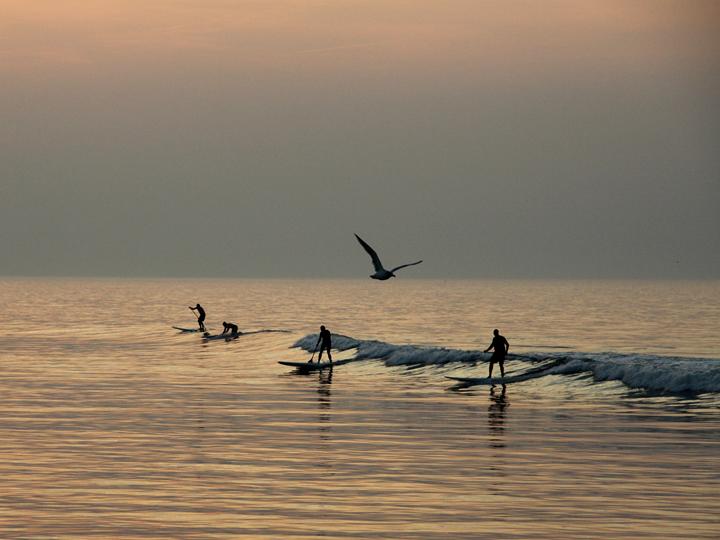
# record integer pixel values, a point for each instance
(253, 138)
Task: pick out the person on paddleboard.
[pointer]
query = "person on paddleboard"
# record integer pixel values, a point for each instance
(200, 315)
(500, 348)
(230, 327)
(325, 343)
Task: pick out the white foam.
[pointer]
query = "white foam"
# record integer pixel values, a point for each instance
(656, 373)
(394, 355)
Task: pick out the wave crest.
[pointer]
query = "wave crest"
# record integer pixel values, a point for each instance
(657, 373)
(393, 355)
(650, 372)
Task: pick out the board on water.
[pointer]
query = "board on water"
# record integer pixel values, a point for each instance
(495, 380)
(187, 330)
(483, 380)
(316, 366)
(534, 373)
(226, 337)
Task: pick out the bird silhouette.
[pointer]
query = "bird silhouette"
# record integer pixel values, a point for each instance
(380, 272)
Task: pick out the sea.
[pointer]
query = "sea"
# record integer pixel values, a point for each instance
(115, 425)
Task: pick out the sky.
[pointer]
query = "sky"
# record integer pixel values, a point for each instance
(252, 138)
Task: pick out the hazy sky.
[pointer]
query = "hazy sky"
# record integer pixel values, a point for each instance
(253, 138)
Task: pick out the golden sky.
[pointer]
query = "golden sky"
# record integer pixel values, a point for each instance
(593, 124)
(498, 34)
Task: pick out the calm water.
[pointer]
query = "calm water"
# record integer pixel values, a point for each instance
(114, 425)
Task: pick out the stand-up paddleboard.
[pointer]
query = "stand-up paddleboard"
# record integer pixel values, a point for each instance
(315, 366)
(226, 337)
(526, 376)
(483, 380)
(187, 330)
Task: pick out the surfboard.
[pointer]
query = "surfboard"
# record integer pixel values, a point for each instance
(315, 366)
(186, 330)
(489, 382)
(227, 337)
(534, 373)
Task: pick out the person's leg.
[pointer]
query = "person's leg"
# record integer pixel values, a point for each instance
(492, 362)
(328, 353)
(502, 367)
(320, 355)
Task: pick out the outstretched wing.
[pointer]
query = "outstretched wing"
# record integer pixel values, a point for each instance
(404, 265)
(375, 259)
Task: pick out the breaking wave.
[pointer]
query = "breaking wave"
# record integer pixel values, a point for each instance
(393, 355)
(657, 373)
(650, 372)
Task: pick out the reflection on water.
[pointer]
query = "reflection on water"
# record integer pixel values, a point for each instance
(131, 430)
(496, 416)
(496, 440)
(324, 402)
(325, 379)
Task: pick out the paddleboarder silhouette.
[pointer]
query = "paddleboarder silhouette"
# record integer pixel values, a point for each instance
(325, 342)
(200, 315)
(230, 327)
(500, 348)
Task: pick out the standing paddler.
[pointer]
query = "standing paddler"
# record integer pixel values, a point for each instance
(200, 315)
(325, 343)
(500, 347)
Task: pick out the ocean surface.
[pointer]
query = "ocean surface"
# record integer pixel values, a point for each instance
(115, 425)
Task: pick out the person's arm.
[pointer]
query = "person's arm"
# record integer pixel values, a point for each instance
(507, 346)
(191, 308)
(488, 349)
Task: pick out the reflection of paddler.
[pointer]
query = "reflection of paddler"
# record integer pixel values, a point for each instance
(500, 348)
(496, 415)
(200, 316)
(499, 402)
(325, 342)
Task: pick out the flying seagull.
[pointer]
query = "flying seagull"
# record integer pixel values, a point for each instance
(380, 272)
